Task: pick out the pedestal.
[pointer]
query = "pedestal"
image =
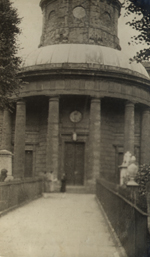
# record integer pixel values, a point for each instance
(6, 161)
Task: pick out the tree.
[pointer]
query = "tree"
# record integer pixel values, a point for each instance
(9, 61)
(141, 23)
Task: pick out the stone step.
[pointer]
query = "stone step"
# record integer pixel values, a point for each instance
(73, 189)
(76, 189)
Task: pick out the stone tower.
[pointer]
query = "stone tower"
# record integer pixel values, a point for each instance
(80, 22)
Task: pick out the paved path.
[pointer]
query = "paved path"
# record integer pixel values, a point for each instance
(69, 225)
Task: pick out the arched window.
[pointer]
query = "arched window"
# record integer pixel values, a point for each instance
(51, 16)
(106, 17)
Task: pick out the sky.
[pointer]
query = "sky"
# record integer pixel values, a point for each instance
(31, 26)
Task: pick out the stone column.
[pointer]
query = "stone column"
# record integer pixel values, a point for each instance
(6, 131)
(19, 141)
(95, 138)
(145, 137)
(52, 152)
(129, 128)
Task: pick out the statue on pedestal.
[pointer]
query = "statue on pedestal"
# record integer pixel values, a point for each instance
(132, 172)
(123, 168)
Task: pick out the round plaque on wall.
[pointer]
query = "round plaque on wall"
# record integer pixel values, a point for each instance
(79, 12)
(76, 116)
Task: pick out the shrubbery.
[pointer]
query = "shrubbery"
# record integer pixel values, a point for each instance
(140, 197)
(142, 178)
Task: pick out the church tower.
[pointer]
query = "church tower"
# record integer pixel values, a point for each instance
(80, 22)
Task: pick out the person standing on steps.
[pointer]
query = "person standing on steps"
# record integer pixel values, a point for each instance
(63, 183)
(49, 182)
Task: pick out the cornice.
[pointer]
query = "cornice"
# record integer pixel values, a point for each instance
(31, 73)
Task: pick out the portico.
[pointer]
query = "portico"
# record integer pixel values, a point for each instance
(48, 139)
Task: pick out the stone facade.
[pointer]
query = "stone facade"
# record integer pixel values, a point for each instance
(78, 117)
(112, 133)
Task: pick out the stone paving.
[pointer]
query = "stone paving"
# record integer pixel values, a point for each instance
(61, 225)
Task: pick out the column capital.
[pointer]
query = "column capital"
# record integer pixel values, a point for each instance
(146, 109)
(130, 103)
(20, 102)
(95, 99)
(54, 98)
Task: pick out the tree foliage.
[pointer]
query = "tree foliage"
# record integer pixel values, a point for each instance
(9, 61)
(141, 23)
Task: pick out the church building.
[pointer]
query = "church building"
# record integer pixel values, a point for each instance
(83, 105)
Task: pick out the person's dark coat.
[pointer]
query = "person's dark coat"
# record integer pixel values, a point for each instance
(63, 184)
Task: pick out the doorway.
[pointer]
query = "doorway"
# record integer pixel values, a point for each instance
(74, 163)
(28, 164)
(120, 160)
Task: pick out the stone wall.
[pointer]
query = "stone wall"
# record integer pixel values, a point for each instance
(69, 104)
(78, 21)
(107, 137)
(40, 165)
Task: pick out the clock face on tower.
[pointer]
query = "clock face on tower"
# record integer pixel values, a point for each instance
(76, 116)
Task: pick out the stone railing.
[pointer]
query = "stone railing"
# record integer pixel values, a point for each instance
(128, 221)
(15, 193)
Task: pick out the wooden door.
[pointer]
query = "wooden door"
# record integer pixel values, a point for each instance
(74, 163)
